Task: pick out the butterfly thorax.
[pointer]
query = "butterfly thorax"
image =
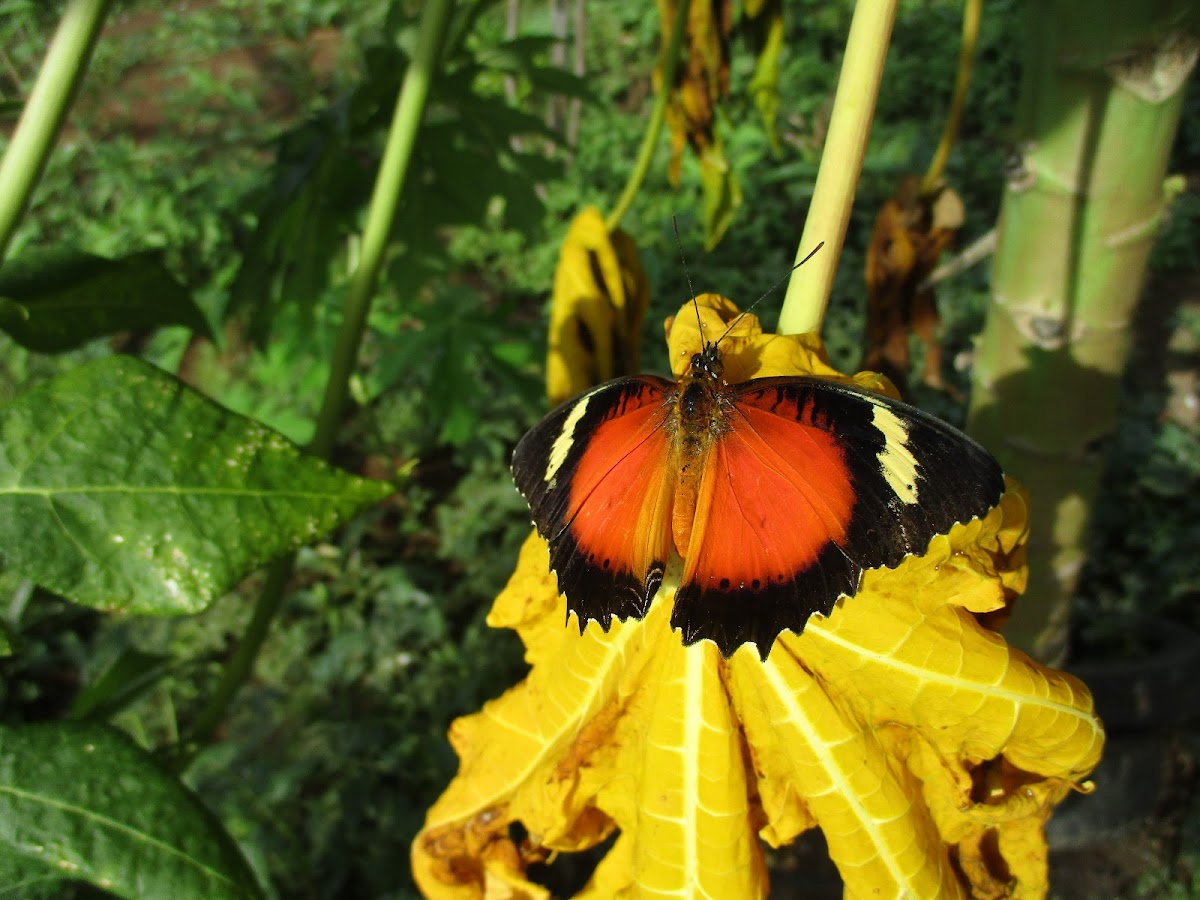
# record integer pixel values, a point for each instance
(701, 406)
(700, 415)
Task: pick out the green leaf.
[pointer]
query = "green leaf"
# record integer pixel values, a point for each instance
(554, 80)
(518, 54)
(494, 124)
(131, 675)
(84, 803)
(5, 642)
(764, 85)
(722, 194)
(121, 488)
(25, 879)
(57, 300)
(462, 24)
(303, 217)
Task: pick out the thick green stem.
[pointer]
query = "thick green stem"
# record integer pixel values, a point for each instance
(63, 69)
(242, 662)
(841, 162)
(393, 169)
(1102, 92)
(645, 155)
(389, 183)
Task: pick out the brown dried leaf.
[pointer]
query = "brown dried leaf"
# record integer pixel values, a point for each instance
(700, 80)
(911, 231)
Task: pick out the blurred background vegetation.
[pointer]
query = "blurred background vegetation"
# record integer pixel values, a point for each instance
(241, 137)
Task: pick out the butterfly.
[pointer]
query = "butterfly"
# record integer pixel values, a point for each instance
(776, 493)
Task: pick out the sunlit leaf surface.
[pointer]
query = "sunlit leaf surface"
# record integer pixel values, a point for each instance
(122, 488)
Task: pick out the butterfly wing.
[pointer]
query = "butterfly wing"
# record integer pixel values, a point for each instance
(596, 472)
(813, 482)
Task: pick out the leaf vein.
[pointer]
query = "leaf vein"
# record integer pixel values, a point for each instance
(105, 821)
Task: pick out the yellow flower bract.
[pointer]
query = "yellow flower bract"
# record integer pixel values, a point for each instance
(928, 751)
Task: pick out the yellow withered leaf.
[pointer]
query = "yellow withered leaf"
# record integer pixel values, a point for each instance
(747, 352)
(596, 313)
(928, 751)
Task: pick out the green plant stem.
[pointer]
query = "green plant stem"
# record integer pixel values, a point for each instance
(381, 213)
(61, 72)
(242, 662)
(641, 166)
(966, 56)
(841, 162)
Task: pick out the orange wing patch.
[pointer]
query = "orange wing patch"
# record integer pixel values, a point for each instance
(772, 514)
(596, 474)
(774, 495)
(619, 512)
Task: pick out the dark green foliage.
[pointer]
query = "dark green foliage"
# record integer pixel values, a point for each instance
(57, 301)
(462, 355)
(1140, 568)
(466, 156)
(130, 676)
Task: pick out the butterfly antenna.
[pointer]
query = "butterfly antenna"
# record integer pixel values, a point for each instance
(768, 291)
(691, 290)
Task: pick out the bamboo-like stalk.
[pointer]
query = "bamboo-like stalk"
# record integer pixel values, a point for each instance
(808, 290)
(1100, 101)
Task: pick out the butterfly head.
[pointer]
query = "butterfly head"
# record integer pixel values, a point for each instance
(707, 364)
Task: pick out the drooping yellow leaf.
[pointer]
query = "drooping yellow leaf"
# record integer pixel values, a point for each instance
(596, 313)
(928, 751)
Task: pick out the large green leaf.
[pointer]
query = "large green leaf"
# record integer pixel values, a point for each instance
(84, 803)
(122, 488)
(58, 300)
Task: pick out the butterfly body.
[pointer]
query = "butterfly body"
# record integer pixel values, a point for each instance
(775, 493)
